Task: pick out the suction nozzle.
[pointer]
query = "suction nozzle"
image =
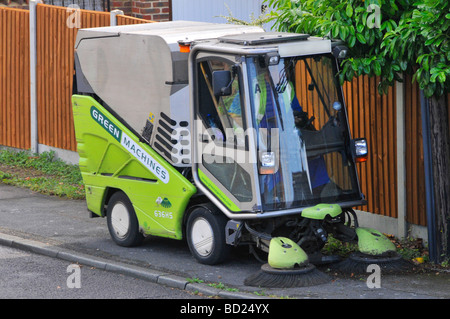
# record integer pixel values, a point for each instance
(284, 253)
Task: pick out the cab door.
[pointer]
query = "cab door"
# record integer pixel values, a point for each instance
(222, 162)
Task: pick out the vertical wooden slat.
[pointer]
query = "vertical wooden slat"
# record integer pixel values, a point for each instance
(10, 71)
(26, 84)
(415, 179)
(383, 155)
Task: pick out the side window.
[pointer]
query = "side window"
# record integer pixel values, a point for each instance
(222, 117)
(220, 114)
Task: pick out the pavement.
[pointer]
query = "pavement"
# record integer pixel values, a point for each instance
(61, 228)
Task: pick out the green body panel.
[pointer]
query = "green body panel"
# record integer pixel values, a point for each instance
(320, 211)
(111, 156)
(372, 242)
(285, 253)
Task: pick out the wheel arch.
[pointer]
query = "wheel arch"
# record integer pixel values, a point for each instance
(109, 192)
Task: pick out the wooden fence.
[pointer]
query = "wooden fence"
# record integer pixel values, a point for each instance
(54, 72)
(14, 78)
(373, 116)
(55, 60)
(370, 115)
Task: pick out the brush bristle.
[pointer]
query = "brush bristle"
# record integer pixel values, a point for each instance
(357, 264)
(275, 278)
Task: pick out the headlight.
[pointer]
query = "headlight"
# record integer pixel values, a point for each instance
(360, 150)
(267, 163)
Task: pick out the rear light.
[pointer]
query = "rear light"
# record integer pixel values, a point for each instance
(360, 150)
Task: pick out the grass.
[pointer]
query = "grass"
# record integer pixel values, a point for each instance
(336, 247)
(42, 173)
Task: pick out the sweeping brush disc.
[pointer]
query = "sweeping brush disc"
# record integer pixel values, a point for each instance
(357, 264)
(304, 276)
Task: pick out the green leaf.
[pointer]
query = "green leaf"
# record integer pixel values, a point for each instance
(341, 78)
(433, 78)
(425, 65)
(335, 31)
(349, 11)
(351, 41)
(355, 65)
(403, 65)
(435, 70)
(429, 41)
(359, 27)
(429, 90)
(361, 38)
(343, 31)
(441, 77)
(377, 68)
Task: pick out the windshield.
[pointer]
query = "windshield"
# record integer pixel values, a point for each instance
(302, 133)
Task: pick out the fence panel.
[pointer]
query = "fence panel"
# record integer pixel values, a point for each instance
(414, 161)
(56, 34)
(373, 116)
(14, 78)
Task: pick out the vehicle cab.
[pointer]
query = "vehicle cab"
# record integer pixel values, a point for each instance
(270, 132)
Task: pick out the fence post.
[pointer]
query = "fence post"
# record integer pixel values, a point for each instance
(33, 93)
(401, 165)
(113, 17)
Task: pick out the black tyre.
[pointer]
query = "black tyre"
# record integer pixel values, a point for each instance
(122, 222)
(205, 232)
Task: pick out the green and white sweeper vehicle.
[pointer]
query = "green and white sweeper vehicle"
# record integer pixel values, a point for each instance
(221, 134)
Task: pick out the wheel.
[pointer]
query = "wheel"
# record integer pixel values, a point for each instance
(122, 222)
(205, 231)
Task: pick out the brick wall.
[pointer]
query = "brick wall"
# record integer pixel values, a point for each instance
(155, 10)
(19, 4)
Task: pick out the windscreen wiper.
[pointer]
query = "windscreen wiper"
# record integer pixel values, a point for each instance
(318, 91)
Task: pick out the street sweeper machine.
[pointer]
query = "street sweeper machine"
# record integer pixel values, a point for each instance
(224, 135)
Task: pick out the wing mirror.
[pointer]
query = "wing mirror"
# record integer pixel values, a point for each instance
(222, 83)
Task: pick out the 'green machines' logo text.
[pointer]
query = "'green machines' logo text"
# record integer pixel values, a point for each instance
(130, 145)
(106, 124)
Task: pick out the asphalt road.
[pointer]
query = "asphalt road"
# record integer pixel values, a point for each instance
(26, 275)
(64, 225)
